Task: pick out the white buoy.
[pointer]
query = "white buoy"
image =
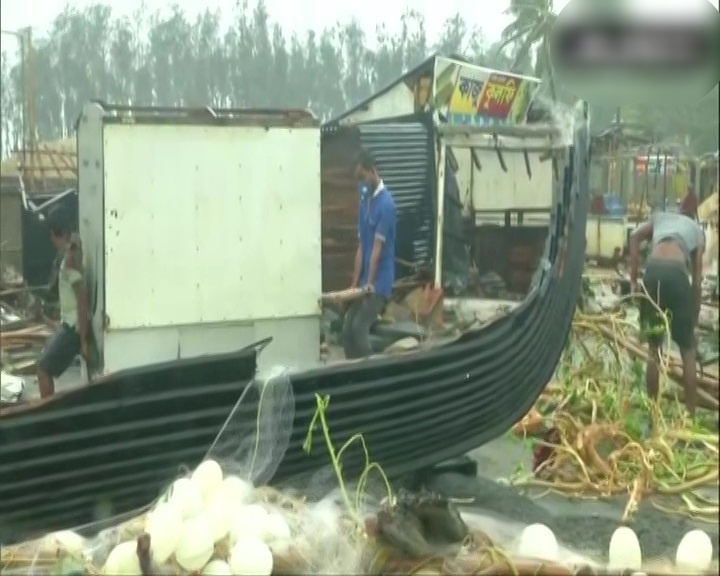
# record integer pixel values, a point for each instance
(221, 513)
(208, 476)
(217, 568)
(186, 495)
(251, 557)
(196, 545)
(123, 560)
(250, 522)
(163, 526)
(624, 552)
(694, 553)
(276, 528)
(277, 533)
(235, 489)
(538, 542)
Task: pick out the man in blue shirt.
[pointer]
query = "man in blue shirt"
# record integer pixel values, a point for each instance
(374, 259)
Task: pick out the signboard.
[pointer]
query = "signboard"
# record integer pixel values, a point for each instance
(469, 95)
(655, 164)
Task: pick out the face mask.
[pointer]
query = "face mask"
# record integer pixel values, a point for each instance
(363, 190)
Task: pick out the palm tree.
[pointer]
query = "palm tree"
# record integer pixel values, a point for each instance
(534, 21)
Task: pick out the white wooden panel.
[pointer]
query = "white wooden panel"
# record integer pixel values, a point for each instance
(210, 224)
(294, 344)
(495, 189)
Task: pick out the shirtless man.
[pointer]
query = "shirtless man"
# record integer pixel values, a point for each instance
(677, 244)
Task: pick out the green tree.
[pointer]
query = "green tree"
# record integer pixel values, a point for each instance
(530, 33)
(415, 38)
(122, 56)
(358, 78)
(209, 84)
(8, 105)
(171, 58)
(691, 125)
(280, 80)
(453, 37)
(329, 95)
(167, 59)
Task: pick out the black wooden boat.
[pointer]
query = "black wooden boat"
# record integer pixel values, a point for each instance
(414, 411)
(114, 444)
(419, 410)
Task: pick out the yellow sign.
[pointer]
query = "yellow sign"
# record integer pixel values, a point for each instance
(465, 97)
(468, 94)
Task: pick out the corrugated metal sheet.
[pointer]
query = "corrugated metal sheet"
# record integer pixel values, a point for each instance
(404, 155)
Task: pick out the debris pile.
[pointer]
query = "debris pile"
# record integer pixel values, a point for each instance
(597, 433)
(418, 316)
(24, 325)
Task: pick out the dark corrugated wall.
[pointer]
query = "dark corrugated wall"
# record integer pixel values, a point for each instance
(404, 153)
(38, 251)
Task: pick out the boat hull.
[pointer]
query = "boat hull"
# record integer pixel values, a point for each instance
(110, 448)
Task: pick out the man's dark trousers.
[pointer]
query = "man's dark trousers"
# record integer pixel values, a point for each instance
(359, 318)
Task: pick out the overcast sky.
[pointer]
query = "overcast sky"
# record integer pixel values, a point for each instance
(302, 15)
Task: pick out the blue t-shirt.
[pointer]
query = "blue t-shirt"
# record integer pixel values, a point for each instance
(377, 219)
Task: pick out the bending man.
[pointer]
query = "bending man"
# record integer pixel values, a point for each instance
(374, 259)
(676, 248)
(70, 339)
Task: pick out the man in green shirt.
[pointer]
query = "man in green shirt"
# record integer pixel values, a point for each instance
(70, 339)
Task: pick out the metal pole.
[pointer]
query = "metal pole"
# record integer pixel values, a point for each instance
(440, 214)
(665, 181)
(30, 99)
(23, 101)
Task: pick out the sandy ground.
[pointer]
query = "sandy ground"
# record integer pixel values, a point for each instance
(582, 525)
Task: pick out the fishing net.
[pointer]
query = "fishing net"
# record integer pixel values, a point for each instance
(197, 506)
(222, 517)
(254, 438)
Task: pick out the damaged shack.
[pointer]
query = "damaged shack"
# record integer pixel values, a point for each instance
(34, 181)
(463, 151)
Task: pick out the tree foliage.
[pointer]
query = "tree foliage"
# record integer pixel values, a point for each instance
(247, 60)
(168, 59)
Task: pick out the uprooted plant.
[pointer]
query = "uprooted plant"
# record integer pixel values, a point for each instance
(601, 435)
